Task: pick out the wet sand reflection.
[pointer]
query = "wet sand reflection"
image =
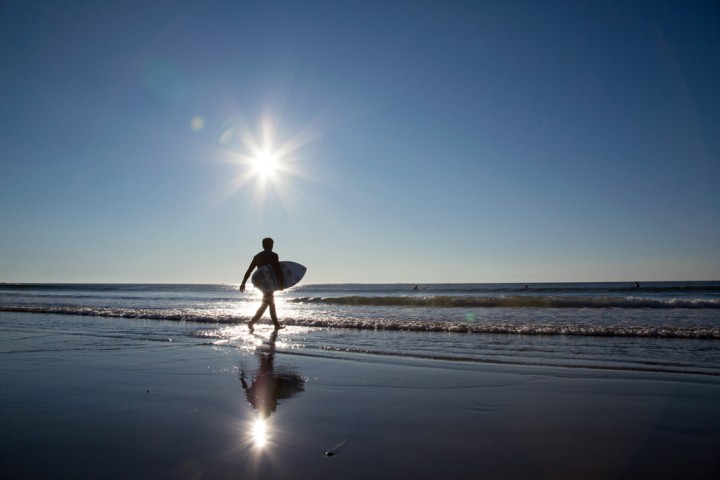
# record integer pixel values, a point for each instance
(267, 386)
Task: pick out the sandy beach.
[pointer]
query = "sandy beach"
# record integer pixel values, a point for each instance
(180, 410)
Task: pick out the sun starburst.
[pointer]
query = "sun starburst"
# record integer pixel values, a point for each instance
(261, 159)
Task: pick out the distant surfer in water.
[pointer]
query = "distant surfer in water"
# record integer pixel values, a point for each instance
(266, 257)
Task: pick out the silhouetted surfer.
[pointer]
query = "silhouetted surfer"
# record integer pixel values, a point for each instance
(637, 285)
(266, 257)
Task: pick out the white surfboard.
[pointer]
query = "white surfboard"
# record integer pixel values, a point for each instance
(265, 279)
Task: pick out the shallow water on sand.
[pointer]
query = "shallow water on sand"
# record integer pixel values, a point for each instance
(670, 327)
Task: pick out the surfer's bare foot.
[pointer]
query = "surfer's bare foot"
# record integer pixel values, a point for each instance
(279, 327)
(251, 326)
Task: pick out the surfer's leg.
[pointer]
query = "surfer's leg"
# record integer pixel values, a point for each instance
(273, 314)
(258, 314)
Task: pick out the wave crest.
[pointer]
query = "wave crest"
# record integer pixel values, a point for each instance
(509, 302)
(692, 332)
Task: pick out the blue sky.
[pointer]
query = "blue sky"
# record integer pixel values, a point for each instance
(498, 141)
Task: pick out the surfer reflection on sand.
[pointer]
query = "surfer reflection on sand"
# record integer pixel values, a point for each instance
(269, 385)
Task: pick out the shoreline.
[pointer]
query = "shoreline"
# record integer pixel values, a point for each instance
(181, 410)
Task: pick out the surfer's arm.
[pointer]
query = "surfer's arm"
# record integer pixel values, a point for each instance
(243, 382)
(247, 275)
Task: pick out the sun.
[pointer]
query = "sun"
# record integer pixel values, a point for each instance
(262, 160)
(265, 163)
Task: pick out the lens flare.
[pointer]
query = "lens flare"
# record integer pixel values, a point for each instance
(197, 123)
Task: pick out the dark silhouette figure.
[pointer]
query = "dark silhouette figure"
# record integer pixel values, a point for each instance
(266, 257)
(269, 386)
(637, 285)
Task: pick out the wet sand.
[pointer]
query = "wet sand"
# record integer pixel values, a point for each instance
(165, 410)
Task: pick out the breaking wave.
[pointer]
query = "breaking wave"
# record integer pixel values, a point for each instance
(525, 328)
(510, 302)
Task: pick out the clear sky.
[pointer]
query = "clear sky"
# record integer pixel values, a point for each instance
(418, 141)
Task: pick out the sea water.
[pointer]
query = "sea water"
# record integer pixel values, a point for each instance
(663, 326)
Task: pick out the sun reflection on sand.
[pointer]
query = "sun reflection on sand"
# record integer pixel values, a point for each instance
(266, 386)
(260, 432)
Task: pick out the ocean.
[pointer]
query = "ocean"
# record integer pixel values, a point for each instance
(669, 327)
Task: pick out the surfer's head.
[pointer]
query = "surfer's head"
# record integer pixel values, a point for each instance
(268, 243)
